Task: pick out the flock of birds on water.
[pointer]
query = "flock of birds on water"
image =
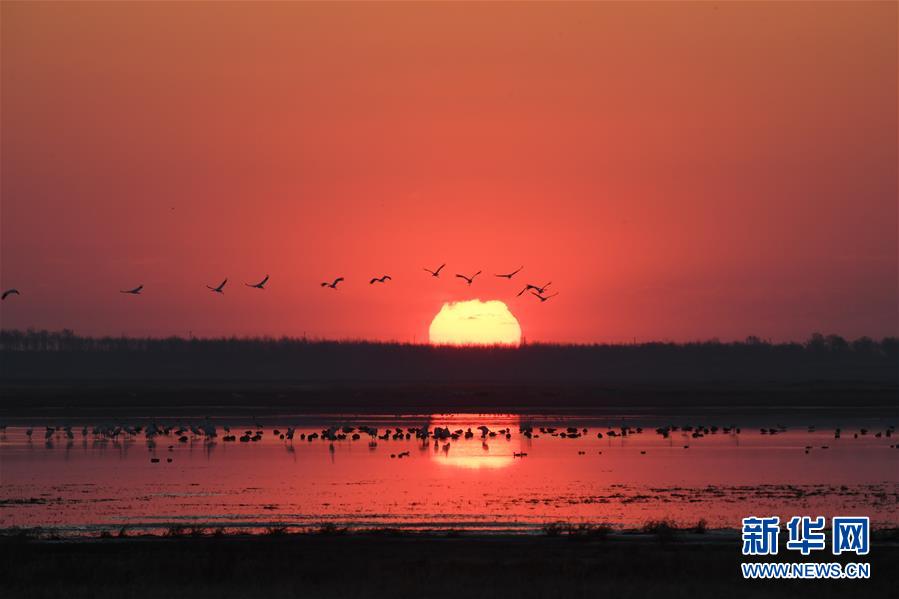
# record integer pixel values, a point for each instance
(441, 436)
(538, 291)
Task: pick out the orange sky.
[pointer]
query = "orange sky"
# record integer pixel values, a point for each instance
(679, 171)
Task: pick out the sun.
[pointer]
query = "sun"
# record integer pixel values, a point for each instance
(474, 322)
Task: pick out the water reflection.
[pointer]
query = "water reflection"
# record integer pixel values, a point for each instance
(461, 474)
(489, 441)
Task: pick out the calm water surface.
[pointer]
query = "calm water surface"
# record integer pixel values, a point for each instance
(83, 484)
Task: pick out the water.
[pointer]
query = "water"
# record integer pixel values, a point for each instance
(92, 483)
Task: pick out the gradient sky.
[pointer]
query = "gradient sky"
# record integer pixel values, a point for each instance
(679, 171)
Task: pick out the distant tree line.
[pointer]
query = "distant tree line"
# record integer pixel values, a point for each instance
(47, 355)
(67, 341)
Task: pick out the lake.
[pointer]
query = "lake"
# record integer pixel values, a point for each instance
(99, 477)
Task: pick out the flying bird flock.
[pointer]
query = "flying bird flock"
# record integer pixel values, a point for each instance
(538, 291)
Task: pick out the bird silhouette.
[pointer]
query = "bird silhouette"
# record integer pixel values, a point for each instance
(543, 298)
(530, 287)
(334, 284)
(220, 288)
(135, 291)
(9, 292)
(511, 274)
(470, 279)
(259, 285)
(383, 279)
(436, 273)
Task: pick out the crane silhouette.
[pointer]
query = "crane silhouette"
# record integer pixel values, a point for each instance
(468, 280)
(436, 273)
(530, 287)
(9, 292)
(135, 291)
(219, 289)
(543, 298)
(334, 284)
(511, 274)
(383, 279)
(259, 285)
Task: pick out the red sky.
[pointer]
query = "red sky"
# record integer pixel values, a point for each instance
(679, 171)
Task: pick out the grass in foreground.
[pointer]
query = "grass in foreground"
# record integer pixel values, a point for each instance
(569, 562)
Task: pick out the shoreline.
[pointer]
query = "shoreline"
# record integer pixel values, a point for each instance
(653, 532)
(72, 399)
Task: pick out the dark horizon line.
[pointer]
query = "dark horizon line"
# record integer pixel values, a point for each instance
(829, 341)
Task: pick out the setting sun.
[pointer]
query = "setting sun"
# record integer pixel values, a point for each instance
(474, 322)
(355, 297)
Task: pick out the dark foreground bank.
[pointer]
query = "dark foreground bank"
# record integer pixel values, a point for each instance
(382, 565)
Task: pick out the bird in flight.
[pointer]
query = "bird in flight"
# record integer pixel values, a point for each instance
(470, 279)
(220, 288)
(9, 292)
(135, 291)
(383, 279)
(259, 285)
(530, 287)
(334, 284)
(436, 273)
(543, 298)
(511, 274)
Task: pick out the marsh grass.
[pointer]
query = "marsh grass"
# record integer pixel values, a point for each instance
(175, 531)
(665, 531)
(554, 529)
(583, 531)
(591, 531)
(701, 527)
(331, 529)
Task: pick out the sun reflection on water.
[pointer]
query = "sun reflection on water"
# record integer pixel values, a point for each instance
(480, 450)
